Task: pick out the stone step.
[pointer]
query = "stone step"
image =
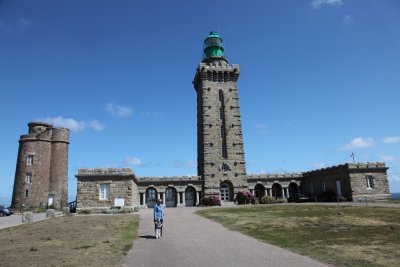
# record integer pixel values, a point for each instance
(227, 204)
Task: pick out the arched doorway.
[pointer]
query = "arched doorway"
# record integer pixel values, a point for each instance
(293, 189)
(224, 191)
(170, 197)
(151, 197)
(276, 191)
(259, 191)
(190, 197)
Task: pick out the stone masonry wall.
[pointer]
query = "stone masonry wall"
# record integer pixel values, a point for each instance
(48, 148)
(59, 166)
(220, 142)
(352, 177)
(378, 172)
(37, 143)
(122, 185)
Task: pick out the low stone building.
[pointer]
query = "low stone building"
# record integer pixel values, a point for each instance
(280, 185)
(351, 181)
(101, 189)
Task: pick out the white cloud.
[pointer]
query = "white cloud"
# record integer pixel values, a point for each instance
(74, 125)
(133, 161)
(183, 164)
(391, 140)
(319, 165)
(119, 111)
(261, 126)
(319, 3)
(95, 125)
(358, 142)
(3, 196)
(394, 178)
(383, 157)
(151, 114)
(23, 24)
(348, 19)
(4, 27)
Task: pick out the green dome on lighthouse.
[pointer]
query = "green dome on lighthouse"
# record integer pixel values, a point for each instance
(213, 46)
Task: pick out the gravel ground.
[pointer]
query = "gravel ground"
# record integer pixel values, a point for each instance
(191, 240)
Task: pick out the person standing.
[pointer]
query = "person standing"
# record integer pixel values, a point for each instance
(158, 213)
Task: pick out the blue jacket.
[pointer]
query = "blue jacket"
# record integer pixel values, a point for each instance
(158, 212)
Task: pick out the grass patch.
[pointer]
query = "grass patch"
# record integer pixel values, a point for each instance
(344, 236)
(100, 240)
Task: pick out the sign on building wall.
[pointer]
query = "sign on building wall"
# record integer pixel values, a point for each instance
(119, 202)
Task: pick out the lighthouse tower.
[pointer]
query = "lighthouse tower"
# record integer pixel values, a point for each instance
(220, 152)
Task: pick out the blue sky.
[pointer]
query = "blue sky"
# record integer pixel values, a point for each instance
(319, 80)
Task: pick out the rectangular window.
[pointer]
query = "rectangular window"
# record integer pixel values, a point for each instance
(29, 160)
(104, 191)
(141, 198)
(28, 178)
(26, 193)
(370, 181)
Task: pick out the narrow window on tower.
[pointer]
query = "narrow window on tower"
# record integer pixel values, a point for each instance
(28, 178)
(220, 77)
(209, 76)
(221, 113)
(222, 131)
(224, 151)
(26, 193)
(29, 160)
(214, 76)
(221, 96)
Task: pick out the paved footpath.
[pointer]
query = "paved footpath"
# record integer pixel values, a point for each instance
(16, 219)
(191, 240)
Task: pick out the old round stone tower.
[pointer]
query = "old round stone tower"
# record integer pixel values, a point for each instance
(220, 152)
(41, 175)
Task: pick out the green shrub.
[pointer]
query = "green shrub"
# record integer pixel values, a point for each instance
(327, 196)
(271, 200)
(212, 200)
(312, 197)
(85, 211)
(245, 198)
